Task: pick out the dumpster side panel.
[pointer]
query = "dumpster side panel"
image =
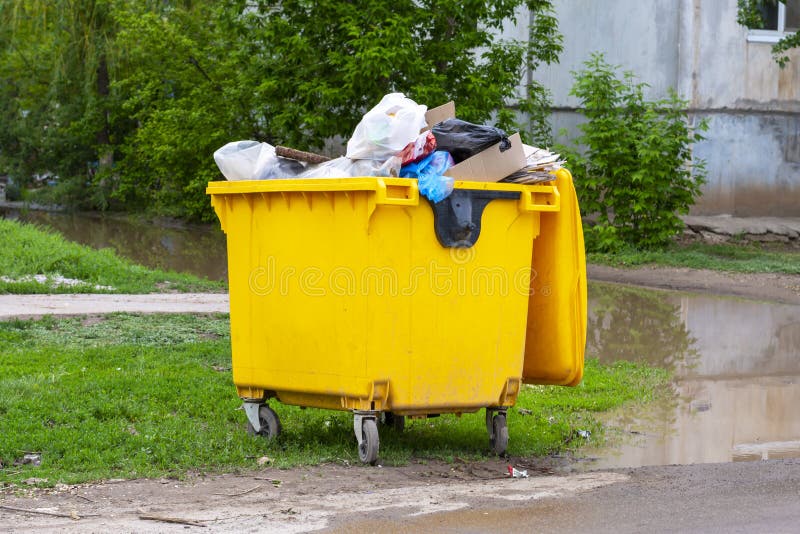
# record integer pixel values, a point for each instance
(556, 332)
(298, 323)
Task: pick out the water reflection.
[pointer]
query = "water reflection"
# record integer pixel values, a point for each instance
(736, 365)
(634, 324)
(196, 249)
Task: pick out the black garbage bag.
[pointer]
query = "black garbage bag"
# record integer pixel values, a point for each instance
(464, 139)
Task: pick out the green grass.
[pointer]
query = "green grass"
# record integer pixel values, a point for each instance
(126, 396)
(27, 250)
(743, 258)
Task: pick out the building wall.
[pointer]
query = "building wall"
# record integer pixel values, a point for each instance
(752, 150)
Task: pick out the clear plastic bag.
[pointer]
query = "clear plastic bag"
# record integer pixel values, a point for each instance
(429, 171)
(387, 128)
(346, 168)
(251, 160)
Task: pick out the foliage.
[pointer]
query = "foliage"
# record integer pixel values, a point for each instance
(634, 174)
(54, 85)
(146, 396)
(26, 251)
(125, 100)
(751, 15)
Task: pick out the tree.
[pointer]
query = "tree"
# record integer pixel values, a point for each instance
(634, 175)
(55, 79)
(184, 77)
(751, 13)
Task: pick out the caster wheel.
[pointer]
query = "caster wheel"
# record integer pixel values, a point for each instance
(368, 448)
(499, 437)
(397, 422)
(270, 424)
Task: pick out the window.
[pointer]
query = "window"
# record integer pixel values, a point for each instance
(779, 18)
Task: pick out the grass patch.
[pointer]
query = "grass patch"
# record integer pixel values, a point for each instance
(27, 251)
(743, 258)
(126, 396)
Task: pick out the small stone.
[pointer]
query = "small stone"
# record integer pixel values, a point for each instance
(34, 459)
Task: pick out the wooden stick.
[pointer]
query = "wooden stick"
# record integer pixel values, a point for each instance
(164, 519)
(299, 155)
(245, 492)
(40, 512)
(273, 480)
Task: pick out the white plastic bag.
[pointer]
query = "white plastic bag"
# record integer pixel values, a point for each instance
(251, 160)
(387, 128)
(346, 168)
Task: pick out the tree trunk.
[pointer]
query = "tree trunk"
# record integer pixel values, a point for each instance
(105, 151)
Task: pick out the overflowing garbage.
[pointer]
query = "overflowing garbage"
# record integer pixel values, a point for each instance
(400, 138)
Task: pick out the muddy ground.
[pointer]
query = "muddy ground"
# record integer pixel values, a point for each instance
(784, 288)
(438, 496)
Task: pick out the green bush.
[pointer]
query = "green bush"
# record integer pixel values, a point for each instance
(634, 174)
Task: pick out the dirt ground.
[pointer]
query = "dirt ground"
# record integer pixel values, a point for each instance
(433, 495)
(293, 500)
(784, 288)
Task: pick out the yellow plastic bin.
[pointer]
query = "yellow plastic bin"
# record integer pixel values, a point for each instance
(357, 294)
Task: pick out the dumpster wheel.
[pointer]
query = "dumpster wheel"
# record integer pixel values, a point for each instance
(366, 427)
(270, 423)
(498, 431)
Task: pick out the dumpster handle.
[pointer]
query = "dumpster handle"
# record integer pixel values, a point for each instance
(457, 218)
(548, 197)
(397, 194)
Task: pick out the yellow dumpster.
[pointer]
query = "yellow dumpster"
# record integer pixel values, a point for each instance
(357, 294)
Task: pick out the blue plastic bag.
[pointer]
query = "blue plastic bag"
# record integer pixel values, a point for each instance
(433, 185)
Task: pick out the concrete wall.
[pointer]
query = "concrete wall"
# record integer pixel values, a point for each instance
(695, 46)
(753, 163)
(638, 35)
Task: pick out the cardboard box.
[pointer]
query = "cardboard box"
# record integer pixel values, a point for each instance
(490, 165)
(441, 113)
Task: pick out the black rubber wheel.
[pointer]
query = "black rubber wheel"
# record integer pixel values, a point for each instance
(397, 422)
(368, 448)
(270, 423)
(499, 439)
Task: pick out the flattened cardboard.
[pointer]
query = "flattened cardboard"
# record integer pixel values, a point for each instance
(529, 150)
(491, 165)
(440, 113)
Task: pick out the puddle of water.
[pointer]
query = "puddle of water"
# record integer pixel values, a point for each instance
(736, 365)
(196, 249)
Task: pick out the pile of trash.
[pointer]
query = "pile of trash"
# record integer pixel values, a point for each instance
(400, 138)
